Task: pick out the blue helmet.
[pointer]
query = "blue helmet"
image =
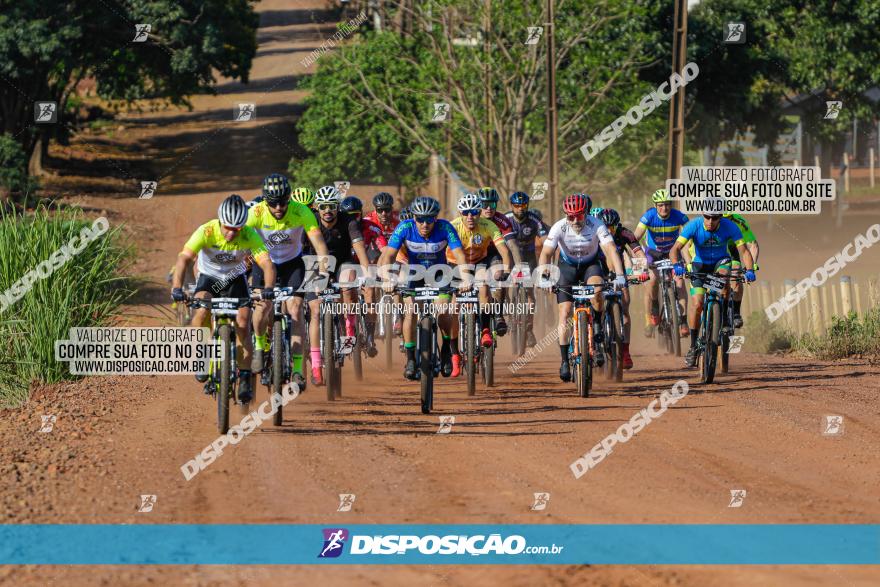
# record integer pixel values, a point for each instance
(351, 204)
(519, 198)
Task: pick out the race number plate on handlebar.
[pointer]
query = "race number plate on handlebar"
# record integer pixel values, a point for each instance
(714, 283)
(329, 294)
(426, 294)
(226, 306)
(583, 292)
(468, 298)
(663, 265)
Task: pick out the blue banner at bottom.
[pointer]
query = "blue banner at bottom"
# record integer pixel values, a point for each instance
(281, 544)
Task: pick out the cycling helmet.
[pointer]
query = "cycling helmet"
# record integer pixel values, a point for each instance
(469, 202)
(577, 204)
(596, 212)
(405, 214)
(276, 189)
(351, 204)
(425, 206)
(660, 196)
(254, 202)
(610, 217)
(304, 196)
(488, 196)
(233, 212)
(383, 200)
(327, 195)
(519, 198)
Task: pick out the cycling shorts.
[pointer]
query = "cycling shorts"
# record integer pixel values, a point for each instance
(654, 255)
(575, 275)
(218, 288)
(288, 274)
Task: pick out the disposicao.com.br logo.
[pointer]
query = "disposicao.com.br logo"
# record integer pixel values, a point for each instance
(431, 544)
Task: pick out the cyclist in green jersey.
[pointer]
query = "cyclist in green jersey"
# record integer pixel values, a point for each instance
(282, 223)
(754, 249)
(223, 248)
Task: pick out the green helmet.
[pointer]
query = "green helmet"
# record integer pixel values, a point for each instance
(660, 196)
(595, 212)
(304, 196)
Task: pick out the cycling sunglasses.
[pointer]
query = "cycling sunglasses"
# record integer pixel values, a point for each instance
(383, 210)
(425, 219)
(576, 217)
(233, 228)
(278, 204)
(328, 207)
(709, 217)
(490, 205)
(470, 212)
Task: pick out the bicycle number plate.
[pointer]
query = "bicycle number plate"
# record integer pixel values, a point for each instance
(329, 294)
(467, 299)
(583, 292)
(663, 265)
(224, 306)
(426, 294)
(714, 283)
(346, 344)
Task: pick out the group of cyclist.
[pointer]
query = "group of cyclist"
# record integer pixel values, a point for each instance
(265, 240)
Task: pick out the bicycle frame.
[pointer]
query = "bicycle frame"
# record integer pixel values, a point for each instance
(582, 294)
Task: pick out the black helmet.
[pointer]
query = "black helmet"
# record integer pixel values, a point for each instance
(610, 217)
(383, 200)
(351, 204)
(488, 196)
(276, 189)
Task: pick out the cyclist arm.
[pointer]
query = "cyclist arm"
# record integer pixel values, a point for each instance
(184, 259)
(675, 251)
(640, 231)
(265, 263)
(506, 255)
(754, 251)
(746, 257)
(317, 240)
(611, 255)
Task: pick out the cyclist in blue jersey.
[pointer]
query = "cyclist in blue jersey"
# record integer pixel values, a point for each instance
(710, 235)
(425, 238)
(660, 226)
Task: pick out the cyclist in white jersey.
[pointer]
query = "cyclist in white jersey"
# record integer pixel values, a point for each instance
(579, 238)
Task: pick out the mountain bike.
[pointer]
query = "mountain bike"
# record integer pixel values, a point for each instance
(221, 372)
(727, 314)
(334, 345)
(278, 371)
(385, 326)
(469, 338)
(710, 340)
(519, 323)
(670, 316)
(612, 328)
(581, 350)
(427, 351)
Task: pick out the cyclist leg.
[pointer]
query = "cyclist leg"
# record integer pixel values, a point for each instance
(238, 288)
(627, 329)
(495, 266)
(652, 309)
(409, 332)
(595, 275)
(532, 260)
(294, 307)
(737, 288)
(695, 310)
(262, 317)
(569, 275)
(445, 322)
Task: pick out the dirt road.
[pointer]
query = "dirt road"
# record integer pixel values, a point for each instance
(118, 438)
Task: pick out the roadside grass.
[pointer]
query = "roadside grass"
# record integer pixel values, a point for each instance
(86, 291)
(856, 335)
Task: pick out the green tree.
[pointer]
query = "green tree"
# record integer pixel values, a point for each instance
(47, 47)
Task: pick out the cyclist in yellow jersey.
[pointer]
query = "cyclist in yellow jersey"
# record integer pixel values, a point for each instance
(477, 235)
(225, 246)
(282, 223)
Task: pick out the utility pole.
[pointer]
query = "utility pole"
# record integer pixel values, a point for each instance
(676, 105)
(551, 108)
(487, 81)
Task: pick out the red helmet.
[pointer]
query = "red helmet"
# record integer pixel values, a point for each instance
(577, 204)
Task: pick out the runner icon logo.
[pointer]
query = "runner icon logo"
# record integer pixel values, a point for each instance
(334, 540)
(346, 500)
(148, 189)
(141, 32)
(45, 112)
(441, 112)
(735, 33)
(737, 498)
(736, 343)
(541, 501)
(48, 422)
(832, 109)
(147, 503)
(245, 112)
(535, 33)
(446, 423)
(833, 425)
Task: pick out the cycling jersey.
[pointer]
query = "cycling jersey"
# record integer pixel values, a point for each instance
(662, 232)
(218, 258)
(425, 251)
(624, 237)
(475, 243)
(507, 226)
(528, 229)
(387, 229)
(744, 228)
(578, 247)
(710, 247)
(340, 237)
(284, 237)
(374, 239)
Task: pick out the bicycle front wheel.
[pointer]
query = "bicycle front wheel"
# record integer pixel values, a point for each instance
(426, 358)
(471, 340)
(674, 321)
(277, 369)
(330, 366)
(712, 333)
(582, 372)
(225, 391)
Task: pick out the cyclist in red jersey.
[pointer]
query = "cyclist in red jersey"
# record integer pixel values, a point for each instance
(509, 230)
(374, 242)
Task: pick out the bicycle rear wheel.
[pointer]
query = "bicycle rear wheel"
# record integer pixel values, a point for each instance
(357, 358)
(426, 359)
(388, 340)
(225, 391)
(277, 368)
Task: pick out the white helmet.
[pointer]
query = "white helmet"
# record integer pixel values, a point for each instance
(233, 212)
(327, 195)
(469, 202)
